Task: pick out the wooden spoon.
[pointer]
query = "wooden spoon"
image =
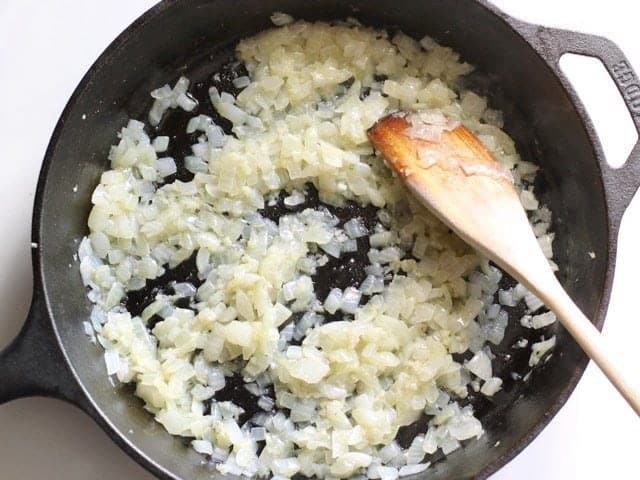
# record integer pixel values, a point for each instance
(459, 180)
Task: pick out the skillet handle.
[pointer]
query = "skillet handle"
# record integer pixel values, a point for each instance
(620, 183)
(33, 364)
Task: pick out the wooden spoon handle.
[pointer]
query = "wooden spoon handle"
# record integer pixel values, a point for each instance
(590, 339)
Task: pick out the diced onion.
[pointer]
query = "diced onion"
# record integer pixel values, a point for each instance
(336, 355)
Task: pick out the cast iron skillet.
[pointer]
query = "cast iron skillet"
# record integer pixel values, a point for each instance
(517, 66)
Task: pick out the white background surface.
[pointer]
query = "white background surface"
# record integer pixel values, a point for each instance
(46, 47)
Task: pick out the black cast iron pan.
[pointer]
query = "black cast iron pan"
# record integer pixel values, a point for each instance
(517, 67)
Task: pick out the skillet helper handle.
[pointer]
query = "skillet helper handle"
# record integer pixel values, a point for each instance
(620, 183)
(33, 364)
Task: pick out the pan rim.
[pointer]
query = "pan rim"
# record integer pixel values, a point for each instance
(90, 405)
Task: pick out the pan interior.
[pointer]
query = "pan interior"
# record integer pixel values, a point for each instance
(196, 38)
